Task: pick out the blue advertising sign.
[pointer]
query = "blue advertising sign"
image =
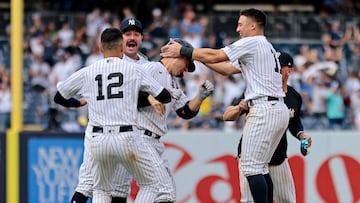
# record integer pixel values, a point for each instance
(2, 167)
(49, 166)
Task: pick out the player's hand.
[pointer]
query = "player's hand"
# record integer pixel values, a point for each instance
(243, 106)
(175, 93)
(83, 102)
(171, 50)
(304, 136)
(233, 112)
(158, 106)
(206, 89)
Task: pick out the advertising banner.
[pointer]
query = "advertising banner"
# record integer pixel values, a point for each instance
(204, 167)
(49, 166)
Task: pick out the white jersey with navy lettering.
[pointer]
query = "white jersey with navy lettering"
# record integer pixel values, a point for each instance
(106, 82)
(85, 183)
(111, 87)
(268, 115)
(149, 119)
(259, 64)
(153, 127)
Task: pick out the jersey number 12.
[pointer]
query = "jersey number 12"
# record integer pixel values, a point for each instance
(110, 86)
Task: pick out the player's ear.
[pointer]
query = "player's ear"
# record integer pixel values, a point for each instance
(101, 48)
(121, 49)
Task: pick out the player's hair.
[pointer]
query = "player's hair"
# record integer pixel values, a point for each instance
(111, 38)
(258, 16)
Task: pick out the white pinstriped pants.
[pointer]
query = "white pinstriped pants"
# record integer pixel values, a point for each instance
(284, 187)
(130, 150)
(265, 124)
(167, 190)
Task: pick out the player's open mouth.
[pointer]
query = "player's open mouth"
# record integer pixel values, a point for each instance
(131, 44)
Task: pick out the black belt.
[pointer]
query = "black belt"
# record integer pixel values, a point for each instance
(269, 98)
(151, 134)
(124, 128)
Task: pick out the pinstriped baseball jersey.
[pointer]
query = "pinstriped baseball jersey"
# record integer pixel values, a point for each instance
(141, 59)
(149, 119)
(85, 184)
(259, 64)
(109, 80)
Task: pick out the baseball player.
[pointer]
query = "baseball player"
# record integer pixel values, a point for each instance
(110, 87)
(132, 30)
(268, 116)
(152, 120)
(280, 172)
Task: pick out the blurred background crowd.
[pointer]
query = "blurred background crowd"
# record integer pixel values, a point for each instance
(62, 36)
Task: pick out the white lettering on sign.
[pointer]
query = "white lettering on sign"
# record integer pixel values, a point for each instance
(57, 173)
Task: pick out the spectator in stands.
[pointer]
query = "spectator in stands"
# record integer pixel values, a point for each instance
(95, 55)
(318, 103)
(158, 27)
(148, 46)
(66, 34)
(191, 29)
(335, 107)
(37, 28)
(93, 23)
(5, 100)
(127, 12)
(106, 20)
(174, 28)
(355, 108)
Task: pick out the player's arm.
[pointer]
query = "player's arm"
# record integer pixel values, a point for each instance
(145, 99)
(71, 102)
(164, 96)
(233, 112)
(295, 125)
(205, 55)
(297, 130)
(224, 68)
(191, 108)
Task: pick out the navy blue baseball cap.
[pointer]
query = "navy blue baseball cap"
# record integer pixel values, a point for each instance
(131, 22)
(286, 60)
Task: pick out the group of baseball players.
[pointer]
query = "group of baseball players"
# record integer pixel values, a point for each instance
(129, 98)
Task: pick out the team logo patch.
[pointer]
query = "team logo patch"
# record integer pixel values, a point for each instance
(131, 22)
(291, 112)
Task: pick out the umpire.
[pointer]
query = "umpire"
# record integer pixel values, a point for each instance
(280, 172)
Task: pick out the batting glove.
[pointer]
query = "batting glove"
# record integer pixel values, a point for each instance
(206, 89)
(175, 93)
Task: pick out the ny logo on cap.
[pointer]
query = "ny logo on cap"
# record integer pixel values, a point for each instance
(131, 21)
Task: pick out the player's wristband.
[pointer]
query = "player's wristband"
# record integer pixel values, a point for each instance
(187, 52)
(298, 134)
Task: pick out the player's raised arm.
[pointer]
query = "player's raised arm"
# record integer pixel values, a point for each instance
(205, 55)
(224, 68)
(191, 108)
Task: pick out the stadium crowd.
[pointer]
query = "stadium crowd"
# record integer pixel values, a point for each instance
(327, 74)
